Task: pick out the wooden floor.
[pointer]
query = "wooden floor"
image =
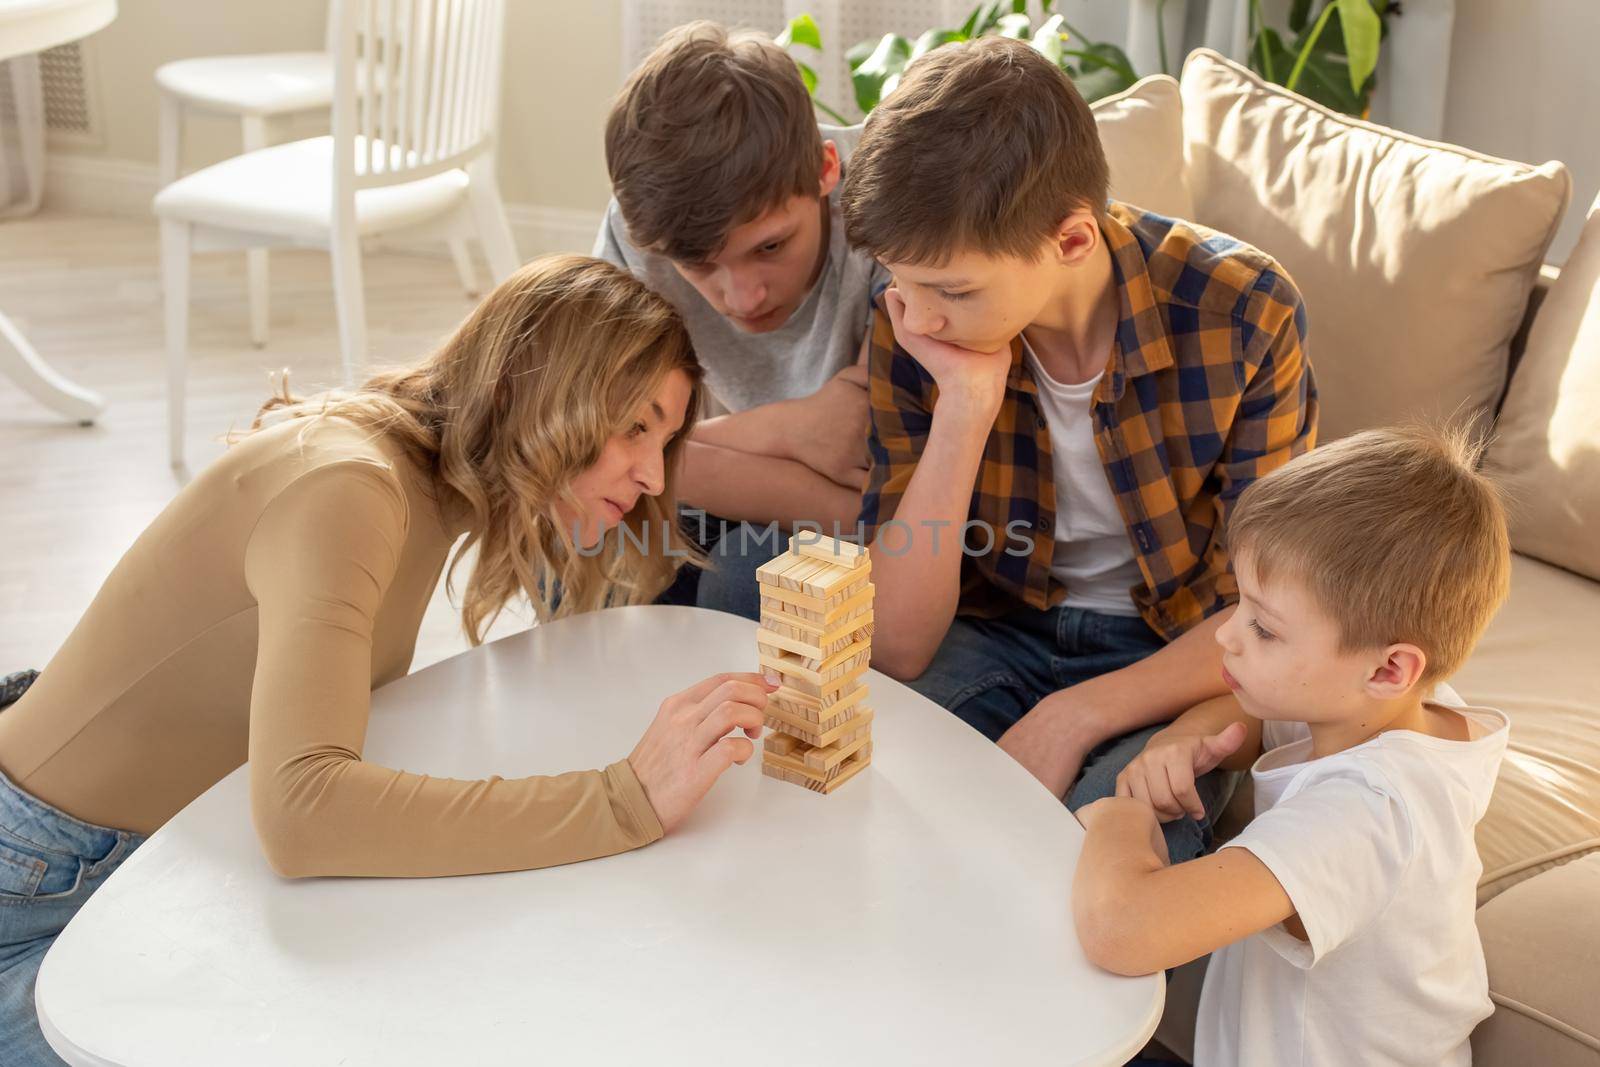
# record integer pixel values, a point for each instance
(86, 292)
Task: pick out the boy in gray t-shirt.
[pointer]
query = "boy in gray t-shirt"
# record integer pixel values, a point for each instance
(726, 203)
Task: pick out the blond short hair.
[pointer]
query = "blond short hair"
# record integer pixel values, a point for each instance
(712, 130)
(1395, 533)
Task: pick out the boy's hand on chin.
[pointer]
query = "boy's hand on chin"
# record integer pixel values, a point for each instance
(976, 380)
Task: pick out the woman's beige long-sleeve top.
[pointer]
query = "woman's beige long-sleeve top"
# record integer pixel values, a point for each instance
(254, 618)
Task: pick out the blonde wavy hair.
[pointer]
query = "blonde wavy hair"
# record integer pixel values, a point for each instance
(506, 413)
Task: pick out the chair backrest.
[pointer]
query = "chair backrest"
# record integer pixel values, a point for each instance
(416, 87)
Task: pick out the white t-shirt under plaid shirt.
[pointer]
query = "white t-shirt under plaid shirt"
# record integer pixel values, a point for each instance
(1374, 846)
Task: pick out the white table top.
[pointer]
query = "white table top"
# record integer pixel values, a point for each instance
(921, 914)
(33, 25)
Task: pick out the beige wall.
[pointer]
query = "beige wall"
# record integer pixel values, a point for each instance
(1522, 85)
(563, 63)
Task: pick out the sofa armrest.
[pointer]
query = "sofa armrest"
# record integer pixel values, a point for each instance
(1541, 939)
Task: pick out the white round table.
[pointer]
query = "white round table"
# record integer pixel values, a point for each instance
(28, 26)
(921, 914)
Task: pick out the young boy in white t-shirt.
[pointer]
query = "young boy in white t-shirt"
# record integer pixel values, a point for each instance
(1341, 921)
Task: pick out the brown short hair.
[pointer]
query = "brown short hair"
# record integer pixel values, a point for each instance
(1394, 532)
(985, 146)
(712, 129)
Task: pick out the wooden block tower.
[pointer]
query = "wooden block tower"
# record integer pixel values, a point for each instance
(816, 635)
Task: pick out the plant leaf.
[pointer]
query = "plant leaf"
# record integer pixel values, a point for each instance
(1326, 79)
(1017, 27)
(932, 39)
(1103, 55)
(1299, 15)
(876, 76)
(982, 18)
(1049, 41)
(802, 29)
(808, 76)
(859, 52)
(1094, 84)
(1363, 30)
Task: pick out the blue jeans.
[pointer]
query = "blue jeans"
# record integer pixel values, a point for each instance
(50, 863)
(734, 551)
(991, 672)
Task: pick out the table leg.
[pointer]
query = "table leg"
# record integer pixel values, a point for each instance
(20, 363)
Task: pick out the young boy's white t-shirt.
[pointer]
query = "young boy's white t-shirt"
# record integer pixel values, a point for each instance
(1374, 845)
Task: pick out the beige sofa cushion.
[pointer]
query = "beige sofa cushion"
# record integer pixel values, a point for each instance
(1142, 131)
(1539, 940)
(1538, 663)
(1415, 259)
(1548, 438)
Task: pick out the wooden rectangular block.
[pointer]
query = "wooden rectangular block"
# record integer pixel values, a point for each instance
(817, 633)
(821, 674)
(814, 657)
(819, 734)
(814, 709)
(825, 758)
(800, 603)
(784, 745)
(802, 634)
(847, 771)
(830, 550)
(800, 766)
(824, 694)
(809, 575)
(821, 756)
(858, 601)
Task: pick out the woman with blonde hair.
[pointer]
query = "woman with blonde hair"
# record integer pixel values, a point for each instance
(257, 613)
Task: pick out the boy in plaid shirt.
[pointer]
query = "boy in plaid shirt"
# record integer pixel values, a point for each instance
(1067, 396)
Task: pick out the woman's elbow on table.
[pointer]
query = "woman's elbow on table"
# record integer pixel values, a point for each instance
(287, 830)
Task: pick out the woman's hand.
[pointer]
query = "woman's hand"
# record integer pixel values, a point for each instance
(687, 746)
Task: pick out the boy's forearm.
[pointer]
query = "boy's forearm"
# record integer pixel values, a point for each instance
(1135, 914)
(1116, 862)
(919, 589)
(1053, 740)
(753, 488)
(1168, 682)
(761, 431)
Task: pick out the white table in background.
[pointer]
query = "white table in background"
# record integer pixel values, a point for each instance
(28, 26)
(919, 915)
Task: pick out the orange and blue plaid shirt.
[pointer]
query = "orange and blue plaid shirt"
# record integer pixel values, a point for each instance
(1207, 389)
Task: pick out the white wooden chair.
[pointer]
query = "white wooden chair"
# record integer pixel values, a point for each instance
(415, 112)
(257, 90)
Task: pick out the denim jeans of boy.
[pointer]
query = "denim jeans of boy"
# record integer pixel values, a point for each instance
(991, 672)
(50, 864)
(734, 551)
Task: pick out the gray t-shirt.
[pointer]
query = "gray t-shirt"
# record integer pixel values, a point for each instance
(820, 339)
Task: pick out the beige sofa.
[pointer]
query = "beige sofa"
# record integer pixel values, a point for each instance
(1421, 268)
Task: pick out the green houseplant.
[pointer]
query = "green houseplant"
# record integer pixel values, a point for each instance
(1328, 54)
(1098, 68)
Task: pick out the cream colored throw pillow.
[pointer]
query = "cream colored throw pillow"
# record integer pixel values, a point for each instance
(1415, 259)
(1142, 131)
(1547, 450)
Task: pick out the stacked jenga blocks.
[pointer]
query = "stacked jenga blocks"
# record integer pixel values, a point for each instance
(816, 636)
